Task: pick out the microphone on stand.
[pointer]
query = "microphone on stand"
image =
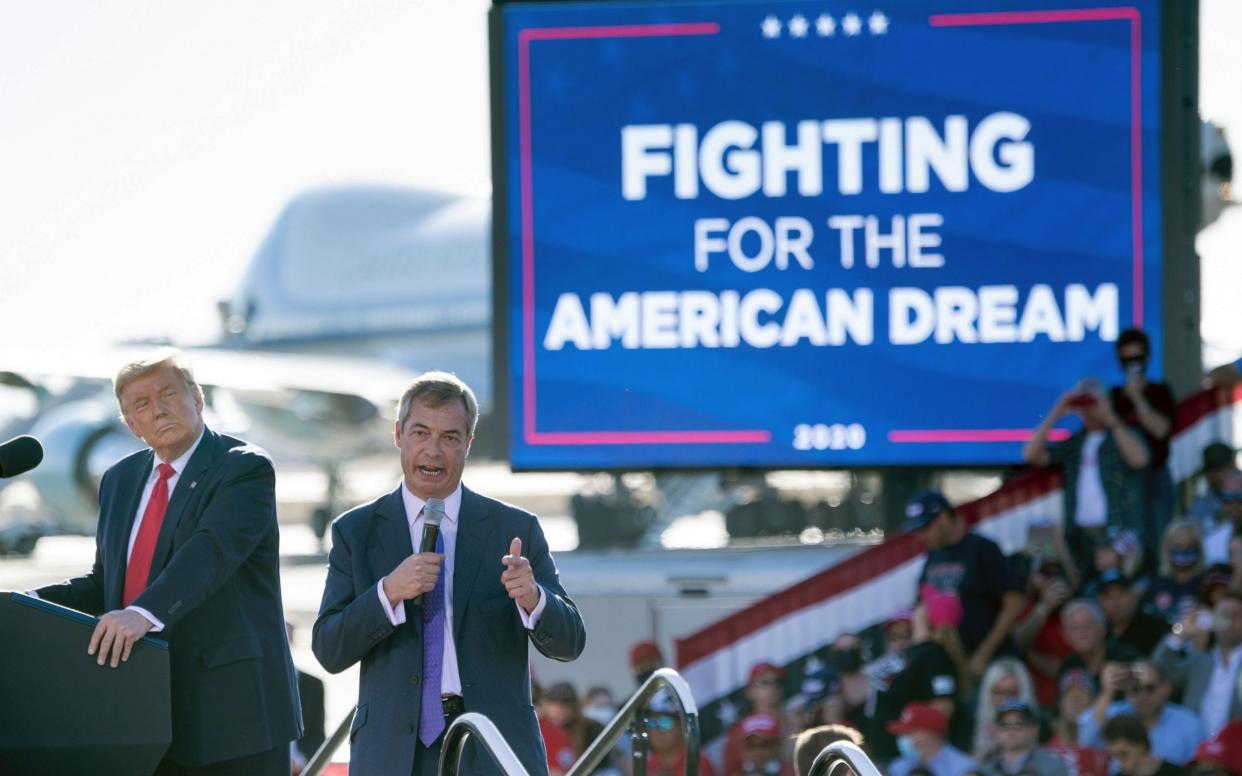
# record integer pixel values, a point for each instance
(433, 515)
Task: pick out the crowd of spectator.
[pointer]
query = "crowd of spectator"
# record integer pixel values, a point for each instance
(1111, 644)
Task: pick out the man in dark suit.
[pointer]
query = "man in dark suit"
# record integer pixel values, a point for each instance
(188, 549)
(444, 632)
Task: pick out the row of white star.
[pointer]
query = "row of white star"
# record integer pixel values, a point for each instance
(825, 26)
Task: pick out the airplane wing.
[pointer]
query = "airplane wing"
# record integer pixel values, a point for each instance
(319, 410)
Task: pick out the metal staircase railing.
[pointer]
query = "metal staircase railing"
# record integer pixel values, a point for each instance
(475, 724)
(631, 716)
(842, 754)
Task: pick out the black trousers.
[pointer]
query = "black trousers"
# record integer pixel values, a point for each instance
(273, 762)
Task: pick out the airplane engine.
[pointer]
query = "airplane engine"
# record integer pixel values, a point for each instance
(80, 440)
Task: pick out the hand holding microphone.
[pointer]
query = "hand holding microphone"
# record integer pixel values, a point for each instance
(418, 573)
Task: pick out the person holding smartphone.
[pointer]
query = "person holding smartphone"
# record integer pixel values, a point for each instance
(1104, 466)
(1150, 408)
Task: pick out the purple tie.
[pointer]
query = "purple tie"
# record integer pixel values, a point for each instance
(431, 719)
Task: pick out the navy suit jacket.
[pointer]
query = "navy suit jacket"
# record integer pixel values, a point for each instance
(368, 542)
(215, 584)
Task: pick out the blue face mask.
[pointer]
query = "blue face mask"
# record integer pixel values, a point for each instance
(906, 747)
(1184, 558)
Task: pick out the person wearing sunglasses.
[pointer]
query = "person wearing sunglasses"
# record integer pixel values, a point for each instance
(1104, 464)
(1150, 408)
(1173, 731)
(1018, 750)
(667, 739)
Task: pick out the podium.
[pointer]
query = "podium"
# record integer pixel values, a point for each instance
(60, 712)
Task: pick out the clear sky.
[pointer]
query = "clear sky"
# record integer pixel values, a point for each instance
(147, 146)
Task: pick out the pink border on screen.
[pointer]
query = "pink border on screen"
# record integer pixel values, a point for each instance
(533, 436)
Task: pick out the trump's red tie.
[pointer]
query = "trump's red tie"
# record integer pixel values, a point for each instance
(139, 566)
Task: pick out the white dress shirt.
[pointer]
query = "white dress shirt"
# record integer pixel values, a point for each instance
(450, 675)
(1092, 501)
(178, 465)
(1214, 708)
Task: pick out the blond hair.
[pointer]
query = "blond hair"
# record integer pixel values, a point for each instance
(171, 358)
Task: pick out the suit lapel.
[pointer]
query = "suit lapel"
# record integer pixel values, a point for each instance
(187, 481)
(393, 543)
(474, 527)
(129, 493)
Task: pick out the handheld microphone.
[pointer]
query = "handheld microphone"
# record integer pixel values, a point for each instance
(20, 455)
(433, 514)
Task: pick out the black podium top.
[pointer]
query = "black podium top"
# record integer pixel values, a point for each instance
(60, 712)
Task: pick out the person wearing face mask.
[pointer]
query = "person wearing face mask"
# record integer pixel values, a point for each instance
(1208, 678)
(598, 704)
(761, 748)
(1175, 592)
(1151, 408)
(645, 659)
(921, 731)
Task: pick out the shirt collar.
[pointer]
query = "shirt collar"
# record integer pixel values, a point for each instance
(414, 505)
(1228, 660)
(179, 463)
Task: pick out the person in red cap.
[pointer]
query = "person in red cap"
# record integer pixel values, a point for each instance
(761, 748)
(645, 659)
(765, 691)
(921, 731)
(1220, 755)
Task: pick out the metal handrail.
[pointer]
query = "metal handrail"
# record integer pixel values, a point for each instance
(475, 724)
(323, 755)
(840, 753)
(630, 717)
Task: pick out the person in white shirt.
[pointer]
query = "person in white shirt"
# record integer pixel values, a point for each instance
(1208, 679)
(1104, 465)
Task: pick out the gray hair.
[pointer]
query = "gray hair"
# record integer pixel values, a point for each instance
(170, 358)
(436, 389)
(1085, 604)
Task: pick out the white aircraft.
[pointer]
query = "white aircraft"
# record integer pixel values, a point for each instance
(354, 291)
